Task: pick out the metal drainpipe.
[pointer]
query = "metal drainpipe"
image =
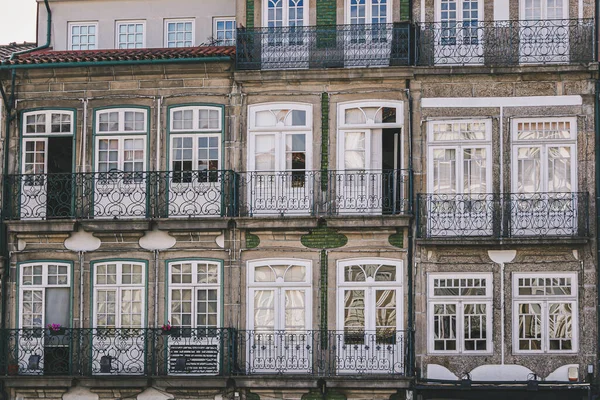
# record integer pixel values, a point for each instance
(597, 178)
(409, 255)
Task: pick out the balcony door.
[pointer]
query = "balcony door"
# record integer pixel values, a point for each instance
(279, 337)
(369, 177)
(370, 320)
(459, 202)
(119, 337)
(195, 183)
(279, 180)
(285, 42)
(544, 182)
(44, 299)
(458, 35)
(367, 38)
(47, 183)
(543, 35)
(121, 182)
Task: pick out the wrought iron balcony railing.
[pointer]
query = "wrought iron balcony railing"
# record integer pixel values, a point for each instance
(503, 215)
(506, 43)
(332, 46)
(290, 193)
(202, 351)
(494, 43)
(118, 194)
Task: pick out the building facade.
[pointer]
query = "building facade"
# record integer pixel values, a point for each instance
(355, 199)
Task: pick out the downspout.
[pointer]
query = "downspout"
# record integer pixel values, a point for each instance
(597, 179)
(409, 255)
(83, 169)
(156, 288)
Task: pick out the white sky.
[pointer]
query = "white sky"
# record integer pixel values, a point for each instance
(17, 21)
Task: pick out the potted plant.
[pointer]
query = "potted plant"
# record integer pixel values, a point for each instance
(56, 329)
(169, 330)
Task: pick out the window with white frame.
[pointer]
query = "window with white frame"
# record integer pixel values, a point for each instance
(536, 10)
(194, 294)
(459, 313)
(48, 122)
(370, 300)
(544, 155)
(280, 138)
(545, 312)
(280, 13)
(279, 295)
(460, 158)
(459, 21)
(361, 12)
(119, 294)
(179, 33)
(131, 34)
(83, 35)
(196, 133)
(121, 140)
(224, 31)
(44, 294)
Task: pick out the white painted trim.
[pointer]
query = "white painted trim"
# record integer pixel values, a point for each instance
(398, 105)
(544, 301)
(286, 13)
(223, 19)
(48, 122)
(194, 286)
(195, 119)
(369, 285)
(80, 24)
(459, 301)
(121, 140)
(422, 11)
(121, 118)
(175, 20)
(194, 137)
(128, 22)
(478, 102)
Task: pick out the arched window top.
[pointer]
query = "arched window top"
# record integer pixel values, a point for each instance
(194, 272)
(371, 270)
(48, 122)
(121, 120)
(196, 119)
(375, 113)
(277, 116)
(280, 271)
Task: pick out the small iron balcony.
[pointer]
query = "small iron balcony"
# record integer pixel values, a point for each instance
(335, 46)
(289, 193)
(510, 215)
(490, 43)
(200, 351)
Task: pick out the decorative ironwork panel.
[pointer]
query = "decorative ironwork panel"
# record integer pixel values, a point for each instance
(506, 43)
(334, 46)
(507, 215)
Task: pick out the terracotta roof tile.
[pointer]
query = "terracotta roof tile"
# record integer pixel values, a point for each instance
(7, 50)
(51, 56)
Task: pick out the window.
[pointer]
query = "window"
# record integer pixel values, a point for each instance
(48, 122)
(194, 294)
(535, 10)
(83, 35)
(45, 294)
(544, 155)
(117, 146)
(459, 21)
(459, 157)
(280, 137)
(119, 294)
(285, 13)
(179, 33)
(196, 134)
(362, 12)
(545, 313)
(459, 313)
(224, 31)
(130, 35)
(279, 295)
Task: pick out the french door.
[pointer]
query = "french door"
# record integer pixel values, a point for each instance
(369, 337)
(543, 37)
(458, 35)
(285, 43)
(280, 304)
(368, 41)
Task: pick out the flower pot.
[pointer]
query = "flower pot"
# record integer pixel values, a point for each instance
(56, 332)
(174, 331)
